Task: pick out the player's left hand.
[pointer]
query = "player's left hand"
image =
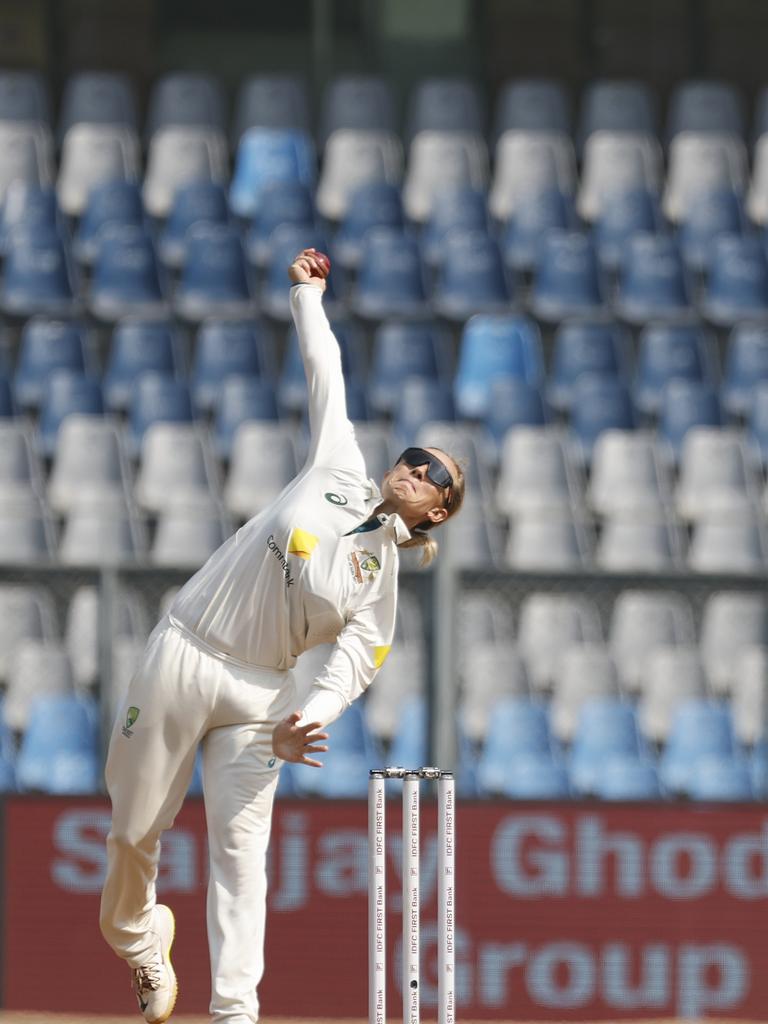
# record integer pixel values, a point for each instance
(293, 742)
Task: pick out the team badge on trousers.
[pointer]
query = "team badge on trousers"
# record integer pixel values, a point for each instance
(130, 720)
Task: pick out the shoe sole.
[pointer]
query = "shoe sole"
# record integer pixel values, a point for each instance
(167, 956)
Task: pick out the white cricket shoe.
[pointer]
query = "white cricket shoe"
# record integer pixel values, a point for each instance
(155, 982)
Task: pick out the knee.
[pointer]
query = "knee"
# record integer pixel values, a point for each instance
(126, 839)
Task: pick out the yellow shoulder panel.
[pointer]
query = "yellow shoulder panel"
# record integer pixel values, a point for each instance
(302, 543)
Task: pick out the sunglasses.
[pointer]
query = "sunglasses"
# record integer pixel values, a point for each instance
(437, 472)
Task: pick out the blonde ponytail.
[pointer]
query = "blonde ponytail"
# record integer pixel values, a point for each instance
(428, 547)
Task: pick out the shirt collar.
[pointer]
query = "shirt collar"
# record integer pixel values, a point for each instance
(392, 521)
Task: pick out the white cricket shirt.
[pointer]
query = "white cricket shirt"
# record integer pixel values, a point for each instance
(294, 576)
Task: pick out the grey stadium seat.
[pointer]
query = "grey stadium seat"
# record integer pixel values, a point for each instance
(263, 462)
(270, 101)
(671, 675)
(37, 668)
(189, 99)
(731, 621)
(26, 613)
(549, 542)
(490, 673)
(532, 104)
(98, 97)
(583, 671)
(359, 102)
(177, 464)
(549, 624)
(643, 620)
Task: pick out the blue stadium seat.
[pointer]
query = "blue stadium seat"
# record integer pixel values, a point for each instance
(471, 278)
(30, 212)
(7, 406)
(566, 277)
(37, 278)
(357, 402)
(157, 398)
(617, 106)
(267, 155)
(513, 403)
(532, 104)
(746, 365)
(605, 727)
(737, 283)
(706, 217)
(24, 97)
(292, 383)
(286, 241)
(421, 401)
(126, 278)
(599, 403)
(759, 768)
(7, 773)
(390, 282)
(652, 281)
(541, 212)
(622, 215)
(721, 778)
(285, 202)
(456, 208)
(228, 348)
(352, 752)
(671, 352)
(536, 777)
(137, 347)
(240, 399)
(410, 743)
(271, 101)
(196, 783)
(705, 106)
(410, 747)
(581, 347)
(686, 404)
(363, 102)
(517, 759)
(700, 728)
(45, 347)
(449, 103)
(495, 346)
(402, 349)
(59, 749)
(97, 97)
(214, 279)
(185, 98)
(112, 203)
(628, 778)
(374, 205)
(757, 423)
(67, 392)
(201, 202)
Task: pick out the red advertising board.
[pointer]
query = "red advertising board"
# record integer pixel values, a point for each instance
(564, 911)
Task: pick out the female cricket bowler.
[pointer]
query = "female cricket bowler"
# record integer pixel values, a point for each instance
(318, 566)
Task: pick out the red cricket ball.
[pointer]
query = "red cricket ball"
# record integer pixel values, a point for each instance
(324, 268)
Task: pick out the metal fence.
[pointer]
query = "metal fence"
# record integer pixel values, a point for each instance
(102, 619)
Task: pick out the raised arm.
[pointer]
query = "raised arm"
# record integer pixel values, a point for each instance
(330, 428)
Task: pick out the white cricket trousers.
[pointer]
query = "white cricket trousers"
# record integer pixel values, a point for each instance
(186, 696)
